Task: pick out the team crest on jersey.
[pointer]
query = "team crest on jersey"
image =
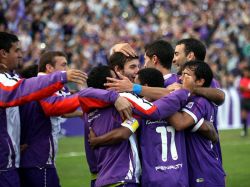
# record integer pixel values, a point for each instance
(190, 105)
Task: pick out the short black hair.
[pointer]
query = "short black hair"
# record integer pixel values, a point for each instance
(97, 77)
(6, 40)
(151, 76)
(195, 46)
(163, 50)
(29, 71)
(119, 59)
(201, 70)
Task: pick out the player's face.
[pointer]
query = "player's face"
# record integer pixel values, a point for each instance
(60, 63)
(148, 63)
(14, 56)
(131, 69)
(180, 57)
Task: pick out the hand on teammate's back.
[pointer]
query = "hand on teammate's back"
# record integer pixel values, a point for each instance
(124, 107)
(76, 76)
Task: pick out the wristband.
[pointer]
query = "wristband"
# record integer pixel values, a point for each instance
(137, 88)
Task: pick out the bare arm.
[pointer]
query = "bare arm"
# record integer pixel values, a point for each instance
(213, 94)
(124, 48)
(77, 113)
(208, 131)
(113, 137)
(125, 85)
(182, 120)
(117, 135)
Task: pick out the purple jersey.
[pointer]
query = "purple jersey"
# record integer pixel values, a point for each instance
(163, 155)
(115, 163)
(167, 165)
(15, 91)
(170, 79)
(205, 168)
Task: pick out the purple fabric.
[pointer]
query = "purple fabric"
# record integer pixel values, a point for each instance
(205, 169)
(113, 161)
(26, 88)
(39, 177)
(160, 168)
(9, 178)
(171, 79)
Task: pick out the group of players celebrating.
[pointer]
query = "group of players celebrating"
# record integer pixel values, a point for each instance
(143, 126)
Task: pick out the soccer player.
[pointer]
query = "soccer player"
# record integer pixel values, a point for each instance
(205, 169)
(117, 165)
(13, 92)
(125, 65)
(167, 144)
(159, 55)
(245, 98)
(39, 134)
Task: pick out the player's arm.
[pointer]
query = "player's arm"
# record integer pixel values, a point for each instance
(13, 93)
(125, 85)
(208, 131)
(77, 113)
(128, 127)
(215, 95)
(58, 105)
(91, 98)
(161, 108)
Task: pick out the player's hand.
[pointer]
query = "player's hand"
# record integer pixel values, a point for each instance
(188, 83)
(76, 76)
(124, 48)
(124, 107)
(122, 85)
(92, 137)
(175, 86)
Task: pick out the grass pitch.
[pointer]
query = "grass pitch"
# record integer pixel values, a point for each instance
(73, 169)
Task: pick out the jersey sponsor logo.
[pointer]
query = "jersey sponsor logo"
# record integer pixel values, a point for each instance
(93, 115)
(149, 122)
(163, 168)
(190, 105)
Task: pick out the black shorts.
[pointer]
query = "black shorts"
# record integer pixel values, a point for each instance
(245, 104)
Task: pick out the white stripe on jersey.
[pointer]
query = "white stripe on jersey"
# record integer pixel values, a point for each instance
(7, 80)
(146, 105)
(191, 114)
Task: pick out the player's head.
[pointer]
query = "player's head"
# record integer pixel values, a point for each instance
(158, 52)
(29, 71)
(10, 51)
(98, 76)
(150, 77)
(126, 65)
(199, 71)
(188, 49)
(52, 61)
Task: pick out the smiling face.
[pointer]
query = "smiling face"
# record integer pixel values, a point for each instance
(131, 69)
(180, 57)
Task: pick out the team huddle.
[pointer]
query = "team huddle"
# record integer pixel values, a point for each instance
(143, 127)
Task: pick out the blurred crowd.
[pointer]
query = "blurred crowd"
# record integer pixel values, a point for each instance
(86, 29)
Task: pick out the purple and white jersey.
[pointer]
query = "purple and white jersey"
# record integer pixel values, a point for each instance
(170, 79)
(115, 163)
(205, 168)
(163, 155)
(13, 92)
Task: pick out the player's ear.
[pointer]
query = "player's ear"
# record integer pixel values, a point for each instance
(200, 82)
(49, 68)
